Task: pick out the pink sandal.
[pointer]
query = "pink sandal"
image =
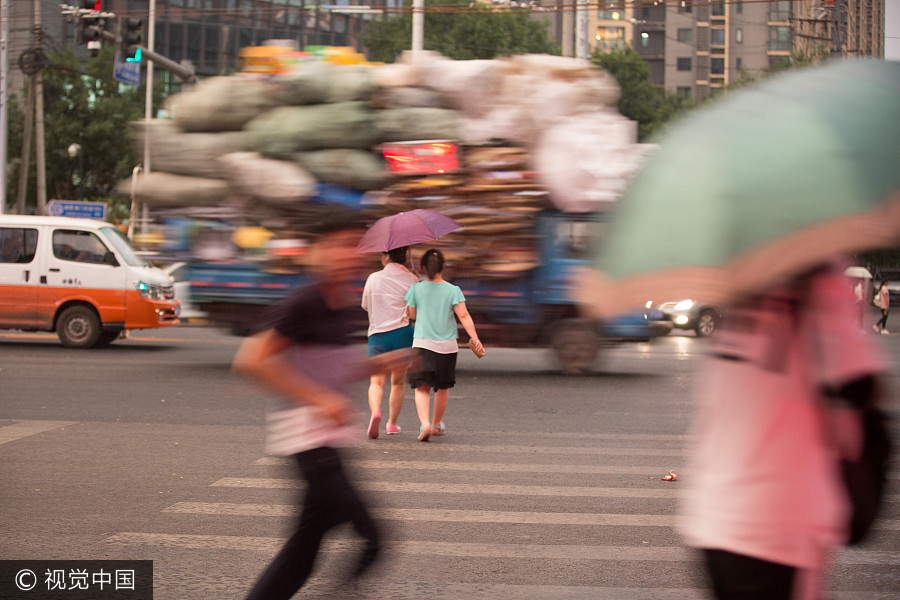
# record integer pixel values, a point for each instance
(374, 424)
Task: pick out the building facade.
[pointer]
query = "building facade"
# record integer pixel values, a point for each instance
(206, 33)
(694, 48)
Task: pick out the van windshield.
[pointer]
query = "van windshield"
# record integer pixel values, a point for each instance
(120, 242)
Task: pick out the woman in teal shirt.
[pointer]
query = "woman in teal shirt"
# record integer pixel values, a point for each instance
(432, 303)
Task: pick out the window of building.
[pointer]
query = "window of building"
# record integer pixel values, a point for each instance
(718, 8)
(780, 10)
(717, 66)
(645, 39)
(739, 63)
(739, 6)
(717, 37)
(738, 36)
(685, 35)
(777, 63)
(684, 64)
(609, 15)
(685, 7)
(609, 38)
(779, 38)
(684, 92)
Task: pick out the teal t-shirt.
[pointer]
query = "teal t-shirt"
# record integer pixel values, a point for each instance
(434, 302)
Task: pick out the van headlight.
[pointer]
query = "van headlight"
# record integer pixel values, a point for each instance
(150, 291)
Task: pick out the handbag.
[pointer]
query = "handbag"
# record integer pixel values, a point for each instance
(865, 478)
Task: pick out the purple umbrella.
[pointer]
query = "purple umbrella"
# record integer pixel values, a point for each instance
(405, 229)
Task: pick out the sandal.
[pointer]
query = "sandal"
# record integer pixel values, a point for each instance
(424, 433)
(439, 430)
(374, 424)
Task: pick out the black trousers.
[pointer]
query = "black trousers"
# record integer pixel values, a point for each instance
(329, 501)
(882, 322)
(738, 577)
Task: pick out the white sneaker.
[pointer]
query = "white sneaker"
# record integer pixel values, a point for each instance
(885, 332)
(875, 328)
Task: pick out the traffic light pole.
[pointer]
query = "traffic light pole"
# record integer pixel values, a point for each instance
(164, 62)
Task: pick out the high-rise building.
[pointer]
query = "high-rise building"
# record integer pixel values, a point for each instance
(696, 47)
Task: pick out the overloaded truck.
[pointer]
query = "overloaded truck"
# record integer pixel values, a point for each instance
(526, 153)
(532, 309)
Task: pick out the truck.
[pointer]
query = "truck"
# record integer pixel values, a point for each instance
(532, 310)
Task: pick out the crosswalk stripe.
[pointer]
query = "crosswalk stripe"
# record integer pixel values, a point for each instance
(421, 465)
(485, 489)
(458, 516)
(462, 488)
(468, 550)
(545, 450)
(23, 429)
(439, 515)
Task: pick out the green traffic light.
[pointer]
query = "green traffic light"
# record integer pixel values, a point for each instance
(136, 58)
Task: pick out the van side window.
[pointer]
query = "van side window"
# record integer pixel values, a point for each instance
(78, 246)
(17, 244)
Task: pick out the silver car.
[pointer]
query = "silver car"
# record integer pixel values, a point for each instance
(691, 315)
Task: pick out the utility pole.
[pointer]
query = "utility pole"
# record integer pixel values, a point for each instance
(5, 10)
(39, 115)
(148, 104)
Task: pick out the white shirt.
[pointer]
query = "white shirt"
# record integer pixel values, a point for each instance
(383, 298)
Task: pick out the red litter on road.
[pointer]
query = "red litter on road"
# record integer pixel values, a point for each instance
(670, 477)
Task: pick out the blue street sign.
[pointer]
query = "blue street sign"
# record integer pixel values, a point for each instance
(127, 72)
(83, 210)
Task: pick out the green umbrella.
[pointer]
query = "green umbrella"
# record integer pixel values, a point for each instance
(759, 187)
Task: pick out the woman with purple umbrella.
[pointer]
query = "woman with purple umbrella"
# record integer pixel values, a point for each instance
(389, 329)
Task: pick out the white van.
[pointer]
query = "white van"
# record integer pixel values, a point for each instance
(80, 278)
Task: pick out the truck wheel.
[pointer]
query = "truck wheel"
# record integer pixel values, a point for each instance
(575, 342)
(707, 323)
(78, 327)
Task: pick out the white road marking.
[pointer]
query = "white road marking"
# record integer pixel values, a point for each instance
(24, 429)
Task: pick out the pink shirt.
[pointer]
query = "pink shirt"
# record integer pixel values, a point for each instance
(764, 480)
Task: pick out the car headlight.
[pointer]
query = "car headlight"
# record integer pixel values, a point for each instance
(649, 304)
(150, 291)
(684, 305)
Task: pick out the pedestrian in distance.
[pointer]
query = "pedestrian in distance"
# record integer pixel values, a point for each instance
(302, 352)
(383, 298)
(766, 502)
(882, 300)
(435, 304)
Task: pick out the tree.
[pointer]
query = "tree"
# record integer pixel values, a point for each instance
(651, 107)
(476, 31)
(83, 105)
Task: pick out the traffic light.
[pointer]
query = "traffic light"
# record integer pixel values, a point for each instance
(132, 36)
(90, 25)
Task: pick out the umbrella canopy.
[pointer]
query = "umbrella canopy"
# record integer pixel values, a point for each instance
(858, 272)
(757, 188)
(405, 229)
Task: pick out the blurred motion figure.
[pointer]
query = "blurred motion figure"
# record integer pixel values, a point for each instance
(303, 353)
(767, 504)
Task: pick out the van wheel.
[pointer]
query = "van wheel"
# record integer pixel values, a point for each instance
(78, 327)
